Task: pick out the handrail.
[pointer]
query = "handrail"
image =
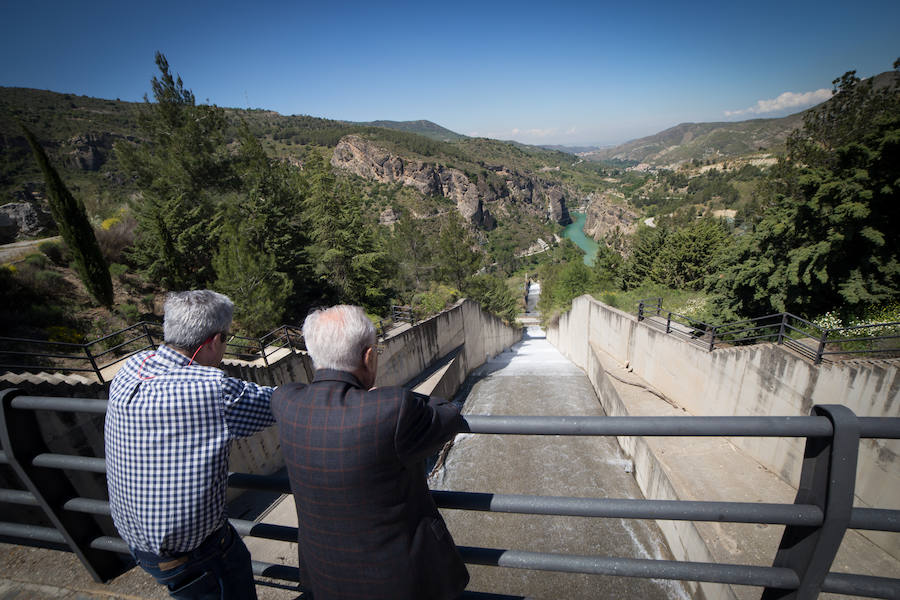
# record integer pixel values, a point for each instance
(777, 327)
(812, 512)
(284, 338)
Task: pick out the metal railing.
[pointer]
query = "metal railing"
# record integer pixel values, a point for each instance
(21, 354)
(802, 336)
(814, 524)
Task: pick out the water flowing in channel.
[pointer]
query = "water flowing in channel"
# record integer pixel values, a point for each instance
(533, 378)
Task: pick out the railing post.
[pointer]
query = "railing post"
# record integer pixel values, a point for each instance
(782, 328)
(669, 323)
(22, 441)
(712, 339)
(148, 334)
(287, 334)
(658, 306)
(262, 350)
(641, 310)
(827, 481)
(821, 349)
(90, 356)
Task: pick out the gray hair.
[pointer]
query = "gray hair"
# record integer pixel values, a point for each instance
(337, 337)
(193, 317)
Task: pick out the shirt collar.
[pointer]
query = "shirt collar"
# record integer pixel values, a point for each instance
(334, 375)
(170, 355)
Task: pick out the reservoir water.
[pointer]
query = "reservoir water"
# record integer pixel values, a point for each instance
(575, 232)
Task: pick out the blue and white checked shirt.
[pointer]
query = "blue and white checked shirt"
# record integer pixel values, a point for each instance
(167, 446)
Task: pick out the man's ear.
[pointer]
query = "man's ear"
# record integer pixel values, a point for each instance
(370, 358)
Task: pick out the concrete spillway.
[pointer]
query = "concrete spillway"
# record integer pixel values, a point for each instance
(533, 378)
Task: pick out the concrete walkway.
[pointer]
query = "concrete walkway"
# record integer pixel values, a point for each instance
(533, 378)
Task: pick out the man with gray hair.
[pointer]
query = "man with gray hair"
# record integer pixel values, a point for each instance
(171, 418)
(368, 527)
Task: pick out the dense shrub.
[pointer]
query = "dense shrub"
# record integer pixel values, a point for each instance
(38, 261)
(56, 252)
(116, 238)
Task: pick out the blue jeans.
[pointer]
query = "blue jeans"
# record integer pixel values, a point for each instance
(218, 569)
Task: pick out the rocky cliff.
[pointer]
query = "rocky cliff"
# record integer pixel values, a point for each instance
(609, 219)
(475, 197)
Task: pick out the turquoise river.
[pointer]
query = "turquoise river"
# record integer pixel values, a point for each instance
(575, 232)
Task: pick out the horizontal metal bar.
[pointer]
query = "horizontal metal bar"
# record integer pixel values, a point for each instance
(18, 497)
(268, 531)
(48, 342)
(651, 426)
(125, 343)
(861, 339)
(88, 405)
(125, 356)
(861, 585)
(875, 519)
(283, 572)
(52, 368)
(886, 428)
(110, 544)
(267, 483)
(121, 331)
(782, 426)
(866, 351)
(90, 464)
(777, 577)
(32, 532)
(90, 506)
(79, 356)
(626, 508)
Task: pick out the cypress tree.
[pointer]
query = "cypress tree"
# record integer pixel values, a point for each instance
(75, 228)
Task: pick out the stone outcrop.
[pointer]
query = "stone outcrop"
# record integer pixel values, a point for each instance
(367, 160)
(90, 151)
(28, 220)
(605, 217)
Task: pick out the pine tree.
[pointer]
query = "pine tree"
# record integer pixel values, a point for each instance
(456, 260)
(75, 228)
(270, 208)
(250, 277)
(347, 250)
(179, 166)
(827, 239)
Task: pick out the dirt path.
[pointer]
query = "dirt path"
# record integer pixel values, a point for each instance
(18, 250)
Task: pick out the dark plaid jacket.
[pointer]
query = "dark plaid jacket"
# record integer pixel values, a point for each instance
(368, 527)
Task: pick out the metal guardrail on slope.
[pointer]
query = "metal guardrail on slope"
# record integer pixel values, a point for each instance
(814, 524)
(802, 336)
(97, 355)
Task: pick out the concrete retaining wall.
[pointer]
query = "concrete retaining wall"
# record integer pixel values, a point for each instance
(760, 380)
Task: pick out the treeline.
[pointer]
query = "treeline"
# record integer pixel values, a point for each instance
(275, 238)
(823, 237)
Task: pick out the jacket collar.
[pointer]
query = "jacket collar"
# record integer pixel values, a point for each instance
(333, 375)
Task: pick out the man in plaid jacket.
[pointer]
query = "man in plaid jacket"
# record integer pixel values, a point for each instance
(171, 418)
(368, 526)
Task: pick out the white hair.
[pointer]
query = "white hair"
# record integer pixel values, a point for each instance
(337, 337)
(194, 316)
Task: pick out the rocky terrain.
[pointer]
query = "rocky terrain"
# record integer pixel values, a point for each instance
(475, 197)
(608, 218)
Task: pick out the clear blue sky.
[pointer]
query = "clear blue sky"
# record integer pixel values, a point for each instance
(572, 73)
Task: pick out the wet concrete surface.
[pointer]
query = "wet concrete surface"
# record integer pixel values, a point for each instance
(533, 378)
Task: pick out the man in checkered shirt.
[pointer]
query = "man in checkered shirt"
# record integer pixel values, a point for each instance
(172, 415)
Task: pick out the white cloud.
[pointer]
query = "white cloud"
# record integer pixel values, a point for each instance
(784, 101)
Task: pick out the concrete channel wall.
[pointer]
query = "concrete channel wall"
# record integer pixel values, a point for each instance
(436, 354)
(760, 380)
